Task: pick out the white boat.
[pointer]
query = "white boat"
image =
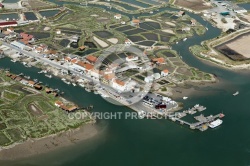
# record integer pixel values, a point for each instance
(27, 77)
(185, 98)
(141, 114)
(74, 84)
(13, 60)
(176, 43)
(215, 123)
(184, 39)
(66, 82)
(104, 95)
(81, 85)
(151, 12)
(63, 79)
(206, 28)
(236, 93)
(49, 76)
(88, 90)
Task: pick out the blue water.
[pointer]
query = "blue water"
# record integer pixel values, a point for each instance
(30, 16)
(245, 6)
(49, 13)
(11, 1)
(11, 16)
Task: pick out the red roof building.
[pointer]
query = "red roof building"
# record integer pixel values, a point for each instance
(91, 58)
(26, 36)
(8, 24)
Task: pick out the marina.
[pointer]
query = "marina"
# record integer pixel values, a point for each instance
(202, 122)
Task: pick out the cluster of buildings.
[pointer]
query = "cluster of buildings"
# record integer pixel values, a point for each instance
(158, 102)
(24, 41)
(24, 81)
(106, 76)
(66, 108)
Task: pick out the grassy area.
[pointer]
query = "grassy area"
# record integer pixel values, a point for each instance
(10, 95)
(31, 115)
(4, 140)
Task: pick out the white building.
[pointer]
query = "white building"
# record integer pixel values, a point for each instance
(118, 16)
(149, 79)
(58, 32)
(118, 85)
(131, 58)
(128, 42)
(24, 82)
(164, 73)
(18, 45)
(95, 73)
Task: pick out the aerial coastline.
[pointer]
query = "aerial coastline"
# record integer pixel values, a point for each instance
(63, 49)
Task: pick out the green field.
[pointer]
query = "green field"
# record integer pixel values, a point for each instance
(30, 115)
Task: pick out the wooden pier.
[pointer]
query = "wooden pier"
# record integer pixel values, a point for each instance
(202, 121)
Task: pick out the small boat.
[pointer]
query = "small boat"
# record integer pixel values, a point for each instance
(236, 93)
(27, 77)
(151, 12)
(57, 90)
(206, 28)
(96, 92)
(81, 85)
(87, 89)
(49, 76)
(21, 74)
(141, 114)
(63, 79)
(40, 82)
(13, 60)
(104, 95)
(176, 43)
(35, 80)
(66, 82)
(185, 98)
(184, 39)
(222, 115)
(215, 123)
(40, 72)
(74, 84)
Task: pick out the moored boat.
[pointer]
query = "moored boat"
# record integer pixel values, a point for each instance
(49, 76)
(215, 123)
(185, 98)
(27, 77)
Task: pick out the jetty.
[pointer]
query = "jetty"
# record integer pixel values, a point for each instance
(202, 121)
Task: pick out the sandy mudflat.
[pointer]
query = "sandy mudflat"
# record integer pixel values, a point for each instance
(38, 146)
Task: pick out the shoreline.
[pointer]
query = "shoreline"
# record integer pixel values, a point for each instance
(33, 147)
